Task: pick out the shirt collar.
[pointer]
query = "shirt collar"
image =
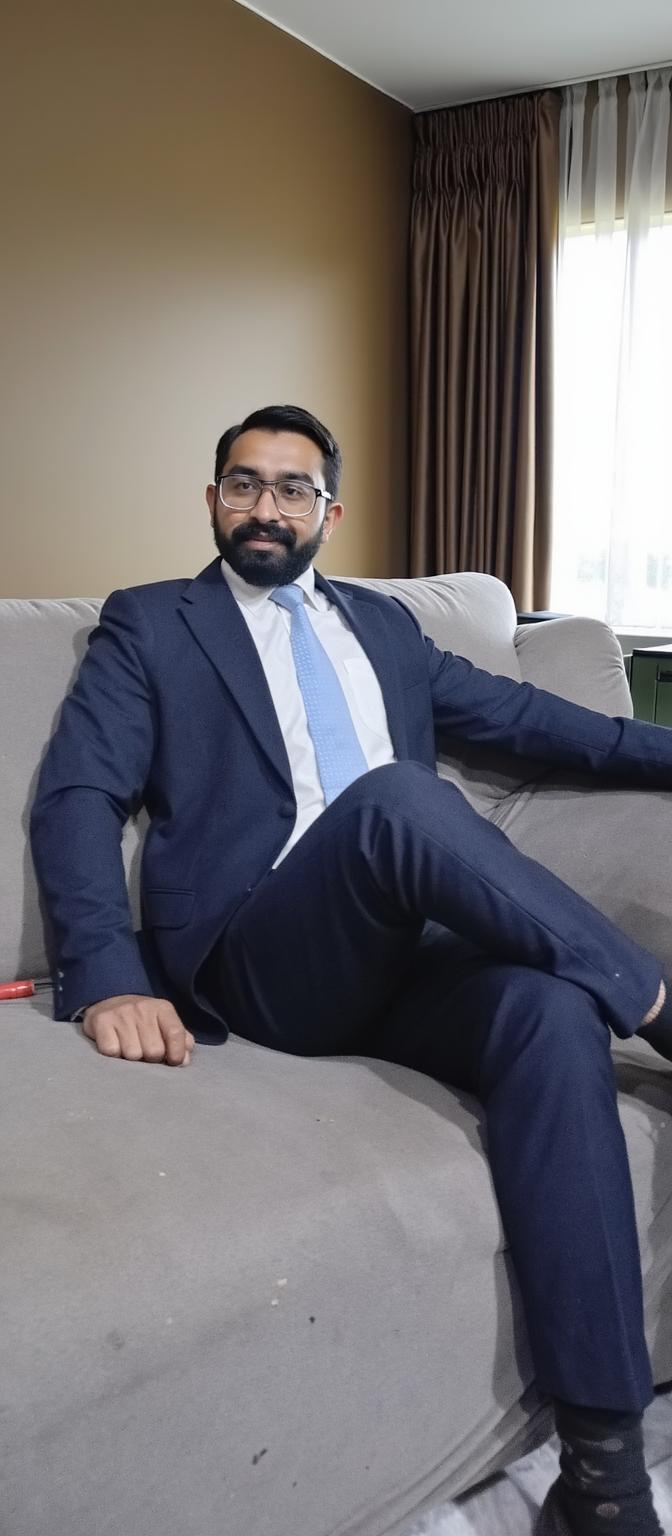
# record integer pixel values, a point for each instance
(254, 597)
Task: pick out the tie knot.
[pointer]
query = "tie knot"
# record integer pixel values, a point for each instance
(291, 597)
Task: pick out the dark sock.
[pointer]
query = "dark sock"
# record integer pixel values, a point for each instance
(604, 1488)
(659, 1034)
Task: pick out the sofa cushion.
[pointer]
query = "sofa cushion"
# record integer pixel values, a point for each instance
(265, 1292)
(465, 612)
(612, 845)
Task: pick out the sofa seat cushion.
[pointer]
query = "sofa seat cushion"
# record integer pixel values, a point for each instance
(250, 1290)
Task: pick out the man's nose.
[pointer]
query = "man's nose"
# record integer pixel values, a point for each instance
(266, 510)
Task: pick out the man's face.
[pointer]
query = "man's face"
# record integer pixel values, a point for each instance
(264, 547)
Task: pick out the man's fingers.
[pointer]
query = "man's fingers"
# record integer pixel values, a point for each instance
(175, 1036)
(129, 1039)
(103, 1032)
(139, 1029)
(151, 1040)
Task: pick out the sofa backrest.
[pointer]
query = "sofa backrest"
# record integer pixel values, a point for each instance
(42, 642)
(466, 612)
(474, 615)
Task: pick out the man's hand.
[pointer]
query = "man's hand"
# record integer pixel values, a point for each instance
(139, 1029)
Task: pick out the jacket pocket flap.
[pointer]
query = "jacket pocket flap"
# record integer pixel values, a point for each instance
(167, 909)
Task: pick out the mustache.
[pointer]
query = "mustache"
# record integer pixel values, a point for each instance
(278, 534)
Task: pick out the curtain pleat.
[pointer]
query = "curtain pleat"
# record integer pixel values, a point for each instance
(483, 248)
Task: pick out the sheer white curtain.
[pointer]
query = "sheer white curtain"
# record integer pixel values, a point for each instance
(612, 543)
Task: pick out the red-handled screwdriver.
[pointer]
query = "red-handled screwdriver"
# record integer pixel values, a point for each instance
(9, 989)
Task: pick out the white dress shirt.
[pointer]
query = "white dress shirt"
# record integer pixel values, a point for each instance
(269, 626)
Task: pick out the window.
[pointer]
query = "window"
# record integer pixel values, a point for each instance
(612, 544)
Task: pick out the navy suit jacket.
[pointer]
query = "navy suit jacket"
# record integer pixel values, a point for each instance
(171, 710)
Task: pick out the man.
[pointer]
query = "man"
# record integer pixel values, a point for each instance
(309, 879)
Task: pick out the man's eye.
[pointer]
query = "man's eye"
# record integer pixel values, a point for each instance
(241, 483)
(293, 490)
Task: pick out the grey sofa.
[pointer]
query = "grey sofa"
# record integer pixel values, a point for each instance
(270, 1295)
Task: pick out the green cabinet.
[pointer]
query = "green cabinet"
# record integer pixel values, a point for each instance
(651, 683)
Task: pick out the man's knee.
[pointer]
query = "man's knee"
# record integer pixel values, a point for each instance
(392, 787)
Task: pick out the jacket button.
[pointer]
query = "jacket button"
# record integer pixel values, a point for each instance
(286, 809)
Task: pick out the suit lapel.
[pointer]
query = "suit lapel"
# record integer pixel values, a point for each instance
(366, 622)
(214, 618)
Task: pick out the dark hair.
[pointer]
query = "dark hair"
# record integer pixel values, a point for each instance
(287, 418)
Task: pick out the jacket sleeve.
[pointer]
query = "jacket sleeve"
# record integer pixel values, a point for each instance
(92, 779)
(479, 707)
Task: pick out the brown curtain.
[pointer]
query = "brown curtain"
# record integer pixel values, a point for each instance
(483, 254)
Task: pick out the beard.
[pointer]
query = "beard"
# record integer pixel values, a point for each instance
(277, 566)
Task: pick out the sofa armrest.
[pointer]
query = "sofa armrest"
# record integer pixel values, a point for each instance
(578, 658)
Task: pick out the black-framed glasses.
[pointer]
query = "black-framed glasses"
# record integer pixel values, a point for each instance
(293, 498)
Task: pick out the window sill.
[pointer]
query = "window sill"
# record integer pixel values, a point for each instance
(630, 638)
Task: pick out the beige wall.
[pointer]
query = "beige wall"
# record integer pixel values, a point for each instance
(201, 216)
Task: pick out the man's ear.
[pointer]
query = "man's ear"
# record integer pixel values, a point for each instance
(334, 515)
(211, 498)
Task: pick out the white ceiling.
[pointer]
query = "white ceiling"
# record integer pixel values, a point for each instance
(435, 53)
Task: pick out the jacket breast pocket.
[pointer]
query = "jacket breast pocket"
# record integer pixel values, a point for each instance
(167, 909)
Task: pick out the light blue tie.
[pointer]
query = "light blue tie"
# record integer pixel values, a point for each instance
(339, 755)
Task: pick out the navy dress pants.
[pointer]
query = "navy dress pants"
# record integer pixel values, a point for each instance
(405, 926)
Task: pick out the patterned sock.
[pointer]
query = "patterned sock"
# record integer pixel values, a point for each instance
(604, 1488)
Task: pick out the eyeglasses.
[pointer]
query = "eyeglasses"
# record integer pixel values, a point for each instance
(293, 498)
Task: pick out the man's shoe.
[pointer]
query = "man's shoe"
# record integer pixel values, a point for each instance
(552, 1521)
